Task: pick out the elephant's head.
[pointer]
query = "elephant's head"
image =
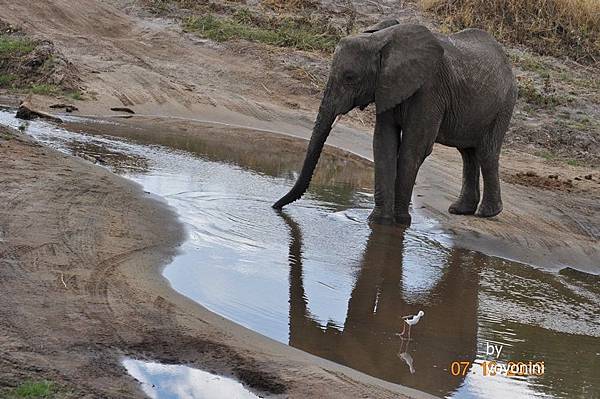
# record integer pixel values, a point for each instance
(385, 64)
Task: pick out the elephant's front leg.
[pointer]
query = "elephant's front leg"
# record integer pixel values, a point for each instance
(416, 145)
(385, 152)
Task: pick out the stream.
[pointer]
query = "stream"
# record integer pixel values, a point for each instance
(318, 278)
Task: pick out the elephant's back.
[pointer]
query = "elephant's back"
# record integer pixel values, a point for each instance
(480, 60)
(478, 45)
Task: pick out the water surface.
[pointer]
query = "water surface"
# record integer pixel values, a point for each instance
(318, 278)
(166, 381)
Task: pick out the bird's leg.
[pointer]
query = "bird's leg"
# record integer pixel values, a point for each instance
(403, 329)
(409, 332)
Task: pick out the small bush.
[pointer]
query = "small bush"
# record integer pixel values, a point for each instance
(549, 27)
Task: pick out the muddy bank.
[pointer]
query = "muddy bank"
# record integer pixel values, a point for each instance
(86, 246)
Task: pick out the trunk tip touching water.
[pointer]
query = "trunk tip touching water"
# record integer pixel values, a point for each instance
(301, 184)
(315, 146)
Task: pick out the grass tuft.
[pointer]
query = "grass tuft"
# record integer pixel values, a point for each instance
(44, 89)
(542, 97)
(6, 80)
(33, 390)
(15, 46)
(75, 95)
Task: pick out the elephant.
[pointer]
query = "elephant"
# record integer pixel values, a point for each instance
(457, 90)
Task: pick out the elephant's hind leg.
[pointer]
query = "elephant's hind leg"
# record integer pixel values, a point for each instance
(467, 202)
(488, 155)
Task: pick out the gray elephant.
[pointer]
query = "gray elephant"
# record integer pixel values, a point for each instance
(456, 90)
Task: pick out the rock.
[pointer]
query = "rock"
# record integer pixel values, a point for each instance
(123, 109)
(588, 177)
(67, 107)
(87, 157)
(27, 112)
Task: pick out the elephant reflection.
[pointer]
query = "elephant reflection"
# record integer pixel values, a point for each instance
(368, 340)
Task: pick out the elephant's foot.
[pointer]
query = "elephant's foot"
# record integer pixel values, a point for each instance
(380, 217)
(403, 219)
(488, 210)
(463, 207)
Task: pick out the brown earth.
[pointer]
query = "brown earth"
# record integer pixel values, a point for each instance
(81, 249)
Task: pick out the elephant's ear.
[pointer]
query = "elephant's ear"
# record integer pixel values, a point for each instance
(410, 55)
(381, 25)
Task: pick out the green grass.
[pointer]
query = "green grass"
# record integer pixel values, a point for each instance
(6, 80)
(32, 390)
(547, 155)
(75, 95)
(43, 89)
(15, 46)
(287, 32)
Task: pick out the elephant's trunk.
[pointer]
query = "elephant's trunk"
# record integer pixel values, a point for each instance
(322, 128)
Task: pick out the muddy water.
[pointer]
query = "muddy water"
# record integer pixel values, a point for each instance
(318, 278)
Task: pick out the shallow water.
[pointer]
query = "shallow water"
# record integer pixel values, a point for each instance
(318, 278)
(166, 381)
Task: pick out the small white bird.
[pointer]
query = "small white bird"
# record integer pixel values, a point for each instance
(411, 320)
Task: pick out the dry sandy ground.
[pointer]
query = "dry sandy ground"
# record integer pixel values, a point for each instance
(80, 249)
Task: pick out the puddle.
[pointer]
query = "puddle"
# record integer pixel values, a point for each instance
(163, 381)
(318, 278)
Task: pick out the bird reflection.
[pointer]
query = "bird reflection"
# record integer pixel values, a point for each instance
(368, 337)
(405, 355)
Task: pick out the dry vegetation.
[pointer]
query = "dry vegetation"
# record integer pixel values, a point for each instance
(549, 27)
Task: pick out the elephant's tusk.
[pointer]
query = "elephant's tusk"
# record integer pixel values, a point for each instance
(337, 119)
